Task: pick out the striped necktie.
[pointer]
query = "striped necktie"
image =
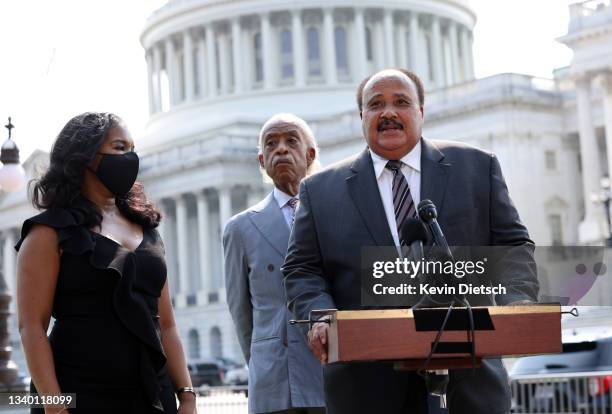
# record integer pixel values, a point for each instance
(403, 205)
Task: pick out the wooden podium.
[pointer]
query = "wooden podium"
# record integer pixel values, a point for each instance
(408, 335)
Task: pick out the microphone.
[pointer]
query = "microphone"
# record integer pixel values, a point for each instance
(428, 213)
(414, 233)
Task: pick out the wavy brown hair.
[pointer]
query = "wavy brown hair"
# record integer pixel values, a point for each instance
(73, 150)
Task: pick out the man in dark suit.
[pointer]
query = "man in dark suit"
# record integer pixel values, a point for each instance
(362, 201)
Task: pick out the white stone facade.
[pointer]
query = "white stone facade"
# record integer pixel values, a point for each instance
(247, 60)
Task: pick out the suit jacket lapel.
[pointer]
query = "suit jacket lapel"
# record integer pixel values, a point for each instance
(434, 174)
(269, 220)
(363, 189)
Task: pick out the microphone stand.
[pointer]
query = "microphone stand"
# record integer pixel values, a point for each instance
(437, 380)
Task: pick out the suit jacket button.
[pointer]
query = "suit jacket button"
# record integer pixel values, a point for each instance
(270, 268)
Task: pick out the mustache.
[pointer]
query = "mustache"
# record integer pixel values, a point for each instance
(389, 123)
(283, 160)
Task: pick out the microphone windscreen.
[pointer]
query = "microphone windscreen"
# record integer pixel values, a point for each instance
(427, 210)
(413, 229)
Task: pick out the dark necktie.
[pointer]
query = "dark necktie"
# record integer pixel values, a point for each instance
(403, 205)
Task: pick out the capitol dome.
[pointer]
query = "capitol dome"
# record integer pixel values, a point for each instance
(212, 62)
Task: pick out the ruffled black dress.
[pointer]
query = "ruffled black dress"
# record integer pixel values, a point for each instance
(106, 337)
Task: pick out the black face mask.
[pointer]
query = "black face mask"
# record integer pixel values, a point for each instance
(118, 172)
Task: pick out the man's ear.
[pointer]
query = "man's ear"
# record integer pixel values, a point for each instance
(310, 156)
(261, 163)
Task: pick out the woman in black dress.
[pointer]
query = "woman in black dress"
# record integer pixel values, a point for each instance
(94, 261)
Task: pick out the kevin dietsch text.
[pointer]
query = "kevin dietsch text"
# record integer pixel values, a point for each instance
(427, 289)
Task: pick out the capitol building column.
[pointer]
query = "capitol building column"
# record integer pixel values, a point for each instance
(224, 61)
(589, 230)
(466, 56)
(389, 38)
(156, 95)
(182, 249)
(225, 213)
(203, 244)
(329, 47)
(9, 258)
(470, 55)
(171, 70)
(237, 54)
(202, 81)
(211, 60)
(436, 52)
(267, 46)
(452, 38)
(299, 51)
(414, 42)
(605, 81)
(188, 65)
(225, 206)
(402, 46)
(150, 72)
(360, 36)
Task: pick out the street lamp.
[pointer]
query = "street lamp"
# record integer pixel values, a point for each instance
(12, 175)
(605, 197)
(12, 178)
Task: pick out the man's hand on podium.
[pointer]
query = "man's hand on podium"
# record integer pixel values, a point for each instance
(317, 339)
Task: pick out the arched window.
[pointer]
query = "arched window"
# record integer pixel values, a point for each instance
(193, 344)
(369, 51)
(341, 52)
(286, 54)
(258, 64)
(314, 52)
(216, 344)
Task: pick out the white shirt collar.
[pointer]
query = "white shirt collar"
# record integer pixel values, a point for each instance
(281, 198)
(412, 159)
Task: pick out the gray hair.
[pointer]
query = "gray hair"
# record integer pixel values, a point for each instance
(288, 118)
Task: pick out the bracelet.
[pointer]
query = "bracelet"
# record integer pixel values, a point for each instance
(186, 389)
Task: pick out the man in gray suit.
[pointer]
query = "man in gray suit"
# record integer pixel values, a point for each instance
(284, 376)
(362, 201)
